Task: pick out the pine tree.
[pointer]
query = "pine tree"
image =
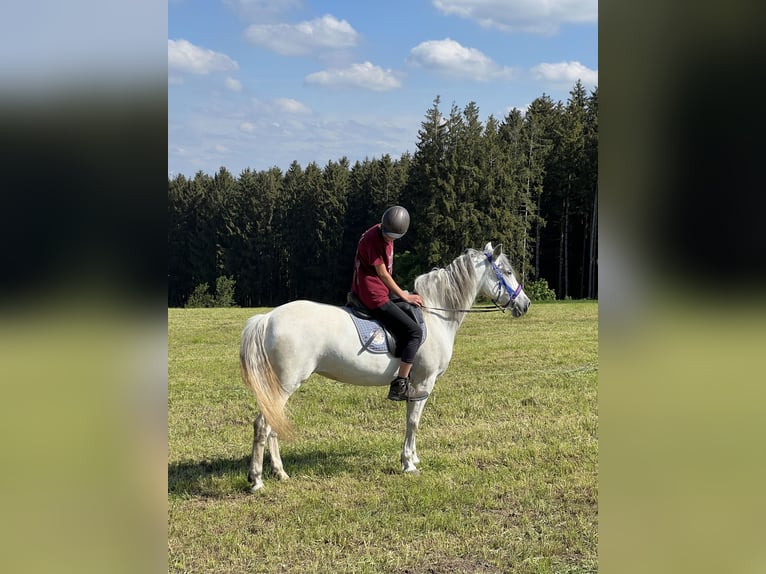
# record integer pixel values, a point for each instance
(576, 205)
(289, 218)
(203, 244)
(331, 207)
(423, 190)
(257, 244)
(532, 139)
(508, 215)
(180, 284)
(224, 208)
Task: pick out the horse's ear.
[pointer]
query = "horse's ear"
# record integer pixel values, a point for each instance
(497, 251)
(488, 247)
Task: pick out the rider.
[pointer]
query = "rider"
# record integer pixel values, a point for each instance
(373, 285)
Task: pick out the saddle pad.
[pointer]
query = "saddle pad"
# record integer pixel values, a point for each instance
(374, 337)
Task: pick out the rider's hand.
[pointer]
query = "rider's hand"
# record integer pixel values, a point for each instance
(414, 299)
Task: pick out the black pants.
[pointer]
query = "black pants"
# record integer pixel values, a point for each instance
(404, 328)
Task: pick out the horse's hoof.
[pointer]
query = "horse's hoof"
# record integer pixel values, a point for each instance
(281, 475)
(257, 485)
(411, 471)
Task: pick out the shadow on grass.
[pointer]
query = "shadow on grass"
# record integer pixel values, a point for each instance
(222, 477)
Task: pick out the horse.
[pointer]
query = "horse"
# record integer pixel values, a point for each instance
(282, 348)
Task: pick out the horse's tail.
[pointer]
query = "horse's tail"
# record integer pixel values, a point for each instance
(259, 375)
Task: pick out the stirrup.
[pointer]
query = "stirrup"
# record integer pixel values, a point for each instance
(402, 390)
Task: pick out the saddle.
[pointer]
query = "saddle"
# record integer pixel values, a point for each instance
(373, 336)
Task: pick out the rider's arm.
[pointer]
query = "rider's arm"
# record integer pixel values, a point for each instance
(389, 282)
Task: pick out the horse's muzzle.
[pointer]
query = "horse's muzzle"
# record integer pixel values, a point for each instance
(520, 307)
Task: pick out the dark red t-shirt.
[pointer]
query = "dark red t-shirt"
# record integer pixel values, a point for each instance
(371, 251)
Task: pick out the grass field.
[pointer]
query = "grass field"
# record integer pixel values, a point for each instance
(508, 444)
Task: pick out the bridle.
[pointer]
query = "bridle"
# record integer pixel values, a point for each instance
(501, 285)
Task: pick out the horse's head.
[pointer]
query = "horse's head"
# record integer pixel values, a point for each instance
(499, 283)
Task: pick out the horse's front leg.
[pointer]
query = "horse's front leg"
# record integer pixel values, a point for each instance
(409, 452)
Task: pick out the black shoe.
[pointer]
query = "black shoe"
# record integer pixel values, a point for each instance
(402, 390)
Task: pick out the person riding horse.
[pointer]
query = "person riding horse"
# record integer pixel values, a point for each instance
(281, 349)
(374, 285)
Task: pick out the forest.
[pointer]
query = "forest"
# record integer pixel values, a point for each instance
(528, 181)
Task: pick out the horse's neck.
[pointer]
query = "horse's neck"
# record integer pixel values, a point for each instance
(453, 288)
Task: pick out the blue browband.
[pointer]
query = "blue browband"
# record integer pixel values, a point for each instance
(512, 293)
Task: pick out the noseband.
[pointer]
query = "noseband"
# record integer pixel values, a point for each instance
(502, 284)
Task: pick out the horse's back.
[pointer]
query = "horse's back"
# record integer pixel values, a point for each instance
(306, 328)
(302, 314)
(304, 337)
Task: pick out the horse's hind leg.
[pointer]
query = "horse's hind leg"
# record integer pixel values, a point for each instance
(276, 461)
(260, 431)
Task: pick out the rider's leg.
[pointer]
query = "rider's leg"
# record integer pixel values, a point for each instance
(408, 334)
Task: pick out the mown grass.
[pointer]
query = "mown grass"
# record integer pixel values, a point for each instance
(508, 444)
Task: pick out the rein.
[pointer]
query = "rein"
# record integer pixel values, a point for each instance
(477, 310)
(501, 282)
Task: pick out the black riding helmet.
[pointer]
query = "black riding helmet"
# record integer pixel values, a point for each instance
(395, 221)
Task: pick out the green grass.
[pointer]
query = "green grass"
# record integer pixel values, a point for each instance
(508, 444)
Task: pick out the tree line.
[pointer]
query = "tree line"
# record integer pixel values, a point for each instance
(528, 181)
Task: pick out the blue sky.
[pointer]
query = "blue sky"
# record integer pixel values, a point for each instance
(261, 83)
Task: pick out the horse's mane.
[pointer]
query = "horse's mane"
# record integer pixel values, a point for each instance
(452, 287)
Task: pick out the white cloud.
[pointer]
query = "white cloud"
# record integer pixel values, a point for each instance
(326, 32)
(183, 56)
(269, 108)
(535, 16)
(291, 106)
(233, 84)
(565, 72)
(365, 76)
(450, 58)
(247, 127)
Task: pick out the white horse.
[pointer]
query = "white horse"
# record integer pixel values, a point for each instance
(282, 348)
